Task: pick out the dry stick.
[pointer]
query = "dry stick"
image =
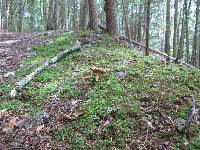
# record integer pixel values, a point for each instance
(21, 84)
(155, 51)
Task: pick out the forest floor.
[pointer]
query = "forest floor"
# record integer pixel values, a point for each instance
(139, 103)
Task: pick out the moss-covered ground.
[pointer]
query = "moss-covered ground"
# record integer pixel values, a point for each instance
(131, 106)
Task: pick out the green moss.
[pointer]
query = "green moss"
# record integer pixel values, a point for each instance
(146, 80)
(10, 105)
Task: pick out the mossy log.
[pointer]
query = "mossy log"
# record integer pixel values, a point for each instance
(21, 84)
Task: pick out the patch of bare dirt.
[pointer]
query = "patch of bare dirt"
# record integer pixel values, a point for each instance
(16, 47)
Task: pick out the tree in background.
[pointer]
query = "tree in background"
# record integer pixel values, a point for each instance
(175, 28)
(111, 17)
(84, 9)
(167, 29)
(125, 17)
(93, 22)
(196, 44)
(50, 23)
(126, 22)
(147, 27)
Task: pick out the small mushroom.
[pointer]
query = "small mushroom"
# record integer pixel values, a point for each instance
(98, 72)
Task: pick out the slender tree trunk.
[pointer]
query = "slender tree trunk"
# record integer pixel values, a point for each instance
(32, 15)
(187, 32)
(145, 21)
(167, 30)
(4, 17)
(93, 23)
(75, 17)
(182, 37)
(135, 24)
(83, 14)
(64, 14)
(21, 16)
(50, 24)
(126, 22)
(11, 18)
(196, 43)
(147, 27)
(0, 13)
(132, 22)
(56, 15)
(139, 38)
(44, 10)
(111, 17)
(175, 28)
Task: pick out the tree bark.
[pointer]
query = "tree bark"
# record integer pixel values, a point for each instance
(21, 16)
(50, 24)
(182, 37)
(93, 23)
(11, 17)
(126, 22)
(147, 27)
(167, 30)
(111, 17)
(187, 32)
(196, 42)
(139, 34)
(56, 15)
(175, 28)
(64, 14)
(74, 17)
(83, 14)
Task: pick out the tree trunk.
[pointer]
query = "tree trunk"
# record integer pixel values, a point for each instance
(182, 37)
(83, 14)
(175, 28)
(147, 27)
(21, 16)
(111, 17)
(93, 23)
(126, 22)
(56, 15)
(50, 24)
(64, 14)
(167, 30)
(196, 42)
(139, 34)
(187, 32)
(32, 20)
(4, 17)
(11, 17)
(74, 17)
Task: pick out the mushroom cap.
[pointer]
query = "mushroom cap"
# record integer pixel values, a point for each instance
(99, 71)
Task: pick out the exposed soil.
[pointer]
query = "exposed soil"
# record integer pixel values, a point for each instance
(16, 47)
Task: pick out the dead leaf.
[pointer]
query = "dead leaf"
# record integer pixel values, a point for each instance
(9, 126)
(79, 113)
(62, 117)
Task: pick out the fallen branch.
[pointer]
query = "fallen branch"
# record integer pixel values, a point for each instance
(21, 84)
(154, 52)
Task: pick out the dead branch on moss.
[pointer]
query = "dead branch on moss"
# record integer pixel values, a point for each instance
(21, 84)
